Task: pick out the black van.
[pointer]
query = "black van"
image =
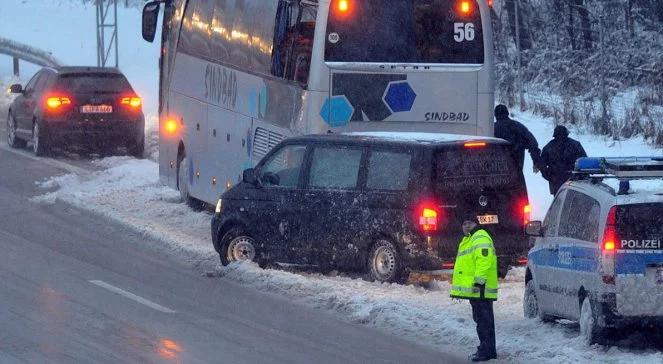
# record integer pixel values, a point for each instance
(384, 203)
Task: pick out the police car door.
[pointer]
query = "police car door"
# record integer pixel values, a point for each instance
(541, 256)
(578, 252)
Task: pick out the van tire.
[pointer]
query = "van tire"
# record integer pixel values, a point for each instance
(384, 263)
(237, 245)
(590, 329)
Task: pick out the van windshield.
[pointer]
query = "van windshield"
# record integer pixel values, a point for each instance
(640, 226)
(490, 167)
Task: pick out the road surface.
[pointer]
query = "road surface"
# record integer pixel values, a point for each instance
(78, 288)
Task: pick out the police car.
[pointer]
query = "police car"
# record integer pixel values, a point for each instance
(598, 256)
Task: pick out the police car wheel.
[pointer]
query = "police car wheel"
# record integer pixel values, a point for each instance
(530, 301)
(384, 262)
(590, 330)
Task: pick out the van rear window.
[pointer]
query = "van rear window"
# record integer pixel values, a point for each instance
(640, 226)
(487, 167)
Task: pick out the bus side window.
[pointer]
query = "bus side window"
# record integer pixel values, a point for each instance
(293, 41)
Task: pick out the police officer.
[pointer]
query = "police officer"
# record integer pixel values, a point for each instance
(519, 137)
(475, 279)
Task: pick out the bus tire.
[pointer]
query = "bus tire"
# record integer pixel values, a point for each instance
(183, 185)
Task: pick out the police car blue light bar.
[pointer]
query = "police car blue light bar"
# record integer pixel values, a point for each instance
(620, 167)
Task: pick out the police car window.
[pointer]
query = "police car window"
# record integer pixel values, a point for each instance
(551, 222)
(388, 171)
(283, 168)
(336, 168)
(579, 217)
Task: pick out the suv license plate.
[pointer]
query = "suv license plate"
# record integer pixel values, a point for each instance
(96, 109)
(488, 219)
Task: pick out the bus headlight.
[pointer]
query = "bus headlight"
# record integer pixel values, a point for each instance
(219, 206)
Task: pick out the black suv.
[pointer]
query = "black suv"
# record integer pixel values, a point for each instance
(75, 106)
(384, 203)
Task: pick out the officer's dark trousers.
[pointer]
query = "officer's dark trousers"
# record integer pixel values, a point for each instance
(482, 313)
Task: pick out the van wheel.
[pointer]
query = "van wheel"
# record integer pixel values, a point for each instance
(237, 246)
(384, 263)
(531, 307)
(13, 140)
(590, 330)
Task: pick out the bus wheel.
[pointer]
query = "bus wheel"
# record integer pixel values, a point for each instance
(183, 183)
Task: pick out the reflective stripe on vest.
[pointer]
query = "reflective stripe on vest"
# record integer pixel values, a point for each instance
(473, 289)
(478, 246)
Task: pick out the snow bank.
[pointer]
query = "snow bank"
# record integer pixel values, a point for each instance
(128, 191)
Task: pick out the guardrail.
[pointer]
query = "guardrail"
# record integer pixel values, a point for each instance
(27, 53)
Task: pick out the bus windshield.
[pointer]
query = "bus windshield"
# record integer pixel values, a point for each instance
(405, 31)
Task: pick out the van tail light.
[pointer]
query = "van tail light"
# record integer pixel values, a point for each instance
(608, 247)
(57, 102)
(448, 265)
(524, 211)
(428, 216)
(131, 102)
(527, 213)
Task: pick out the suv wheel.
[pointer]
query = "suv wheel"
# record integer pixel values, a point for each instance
(12, 139)
(237, 246)
(590, 330)
(384, 262)
(39, 140)
(137, 150)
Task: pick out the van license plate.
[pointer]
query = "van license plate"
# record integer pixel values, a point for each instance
(96, 109)
(488, 219)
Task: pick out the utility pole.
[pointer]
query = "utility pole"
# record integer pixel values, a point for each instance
(107, 42)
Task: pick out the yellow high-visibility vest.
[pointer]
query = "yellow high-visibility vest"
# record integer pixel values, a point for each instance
(476, 263)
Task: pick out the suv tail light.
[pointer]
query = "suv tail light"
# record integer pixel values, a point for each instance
(55, 102)
(428, 217)
(132, 102)
(608, 247)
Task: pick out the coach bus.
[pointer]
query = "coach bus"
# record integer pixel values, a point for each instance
(238, 76)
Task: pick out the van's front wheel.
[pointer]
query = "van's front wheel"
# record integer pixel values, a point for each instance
(385, 263)
(237, 246)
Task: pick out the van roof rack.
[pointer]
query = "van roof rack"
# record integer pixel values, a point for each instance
(623, 168)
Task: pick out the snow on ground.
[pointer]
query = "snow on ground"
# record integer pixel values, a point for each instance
(128, 191)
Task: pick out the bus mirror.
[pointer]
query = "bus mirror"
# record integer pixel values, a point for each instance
(249, 176)
(150, 17)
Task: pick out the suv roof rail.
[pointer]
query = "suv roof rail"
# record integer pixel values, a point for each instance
(623, 168)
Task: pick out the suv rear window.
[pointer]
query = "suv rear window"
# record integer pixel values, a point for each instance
(640, 223)
(491, 167)
(93, 82)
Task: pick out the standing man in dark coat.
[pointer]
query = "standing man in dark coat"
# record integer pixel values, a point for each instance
(519, 136)
(559, 157)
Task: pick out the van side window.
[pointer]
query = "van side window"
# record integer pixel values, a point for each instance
(388, 171)
(551, 222)
(335, 167)
(283, 167)
(580, 217)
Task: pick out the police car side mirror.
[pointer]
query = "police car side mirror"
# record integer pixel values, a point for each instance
(533, 228)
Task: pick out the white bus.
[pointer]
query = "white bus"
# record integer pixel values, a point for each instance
(238, 76)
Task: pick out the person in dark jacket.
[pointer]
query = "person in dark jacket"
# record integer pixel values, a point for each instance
(559, 157)
(519, 136)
